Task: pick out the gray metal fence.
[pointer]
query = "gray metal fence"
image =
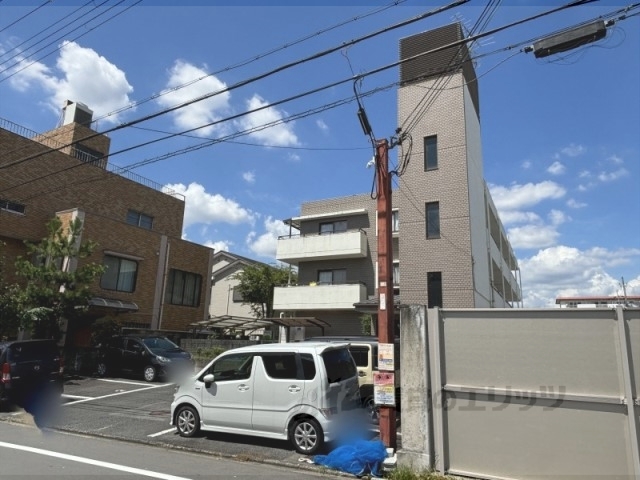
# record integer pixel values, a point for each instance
(506, 393)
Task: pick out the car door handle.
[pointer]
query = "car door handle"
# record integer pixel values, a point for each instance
(362, 374)
(294, 388)
(243, 387)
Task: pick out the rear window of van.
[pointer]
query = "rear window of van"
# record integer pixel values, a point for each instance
(339, 364)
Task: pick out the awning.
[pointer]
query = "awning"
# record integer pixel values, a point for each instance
(112, 303)
(230, 321)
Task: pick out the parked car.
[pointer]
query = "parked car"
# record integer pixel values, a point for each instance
(364, 349)
(288, 391)
(151, 356)
(32, 376)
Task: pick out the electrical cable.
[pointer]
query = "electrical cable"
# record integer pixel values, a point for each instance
(25, 16)
(340, 82)
(52, 33)
(267, 74)
(252, 59)
(75, 38)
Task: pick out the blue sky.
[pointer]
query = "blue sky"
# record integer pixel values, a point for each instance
(561, 135)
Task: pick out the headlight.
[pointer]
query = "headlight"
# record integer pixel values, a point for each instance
(163, 359)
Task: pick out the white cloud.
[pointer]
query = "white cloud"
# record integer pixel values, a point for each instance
(556, 168)
(201, 112)
(532, 236)
(612, 176)
(573, 150)
(573, 203)
(219, 246)
(509, 217)
(322, 126)
(568, 271)
(526, 164)
(557, 217)
(266, 244)
(584, 174)
(519, 196)
(85, 77)
(616, 160)
(203, 207)
(249, 177)
(294, 157)
(281, 134)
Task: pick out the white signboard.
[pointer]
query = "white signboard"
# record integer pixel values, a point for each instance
(386, 354)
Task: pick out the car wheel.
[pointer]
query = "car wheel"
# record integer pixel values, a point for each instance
(187, 421)
(373, 410)
(307, 436)
(101, 369)
(150, 373)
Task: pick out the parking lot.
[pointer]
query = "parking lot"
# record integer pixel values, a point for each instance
(131, 409)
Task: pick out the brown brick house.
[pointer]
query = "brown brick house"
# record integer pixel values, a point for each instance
(154, 279)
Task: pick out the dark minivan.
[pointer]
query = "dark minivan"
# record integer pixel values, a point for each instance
(151, 356)
(32, 372)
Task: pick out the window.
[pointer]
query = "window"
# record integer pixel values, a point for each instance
(434, 289)
(120, 274)
(237, 295)
(232, 367)
(339, 365)
(139, 219)
(432, 217)
(10, 206)
(332, 277)
(360, 355)
(183, 288)
(281, 365)
(430, 152)
(395, 221)
(333, 227)
(396, 274)
(308, 366)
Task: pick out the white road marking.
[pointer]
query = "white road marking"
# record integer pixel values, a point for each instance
(128, 382)
(77, 397)
(89, 461)
(162, 432)
(115, 394)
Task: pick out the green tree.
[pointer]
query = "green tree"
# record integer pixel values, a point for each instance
(256, 286)
(9, 308)
(52, 288)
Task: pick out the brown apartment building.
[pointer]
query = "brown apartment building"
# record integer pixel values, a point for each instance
(154, 279)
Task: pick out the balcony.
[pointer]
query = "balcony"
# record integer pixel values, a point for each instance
(319, 297)
(333, 246)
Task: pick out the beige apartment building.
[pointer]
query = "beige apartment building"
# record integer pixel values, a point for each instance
(154, 280)
(449, 246)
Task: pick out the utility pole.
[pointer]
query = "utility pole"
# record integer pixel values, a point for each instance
(386, 312)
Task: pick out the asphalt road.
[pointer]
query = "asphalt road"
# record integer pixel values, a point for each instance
(28, 453)
(132, 410)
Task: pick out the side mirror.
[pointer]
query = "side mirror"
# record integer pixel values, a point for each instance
(208, 379)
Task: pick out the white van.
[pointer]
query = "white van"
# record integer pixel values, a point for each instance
(283, 391)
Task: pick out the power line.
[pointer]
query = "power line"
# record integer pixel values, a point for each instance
(256, 78)
(25, 16)
(459, 42)
(75, 38)
(44, 30)
(251, 59)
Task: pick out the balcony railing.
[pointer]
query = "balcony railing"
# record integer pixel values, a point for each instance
(86, 157)
(331, 246)
(319, 297)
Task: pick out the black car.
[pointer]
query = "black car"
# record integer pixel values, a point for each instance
(151, 356)
(32, 376)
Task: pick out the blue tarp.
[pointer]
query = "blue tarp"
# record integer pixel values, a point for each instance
(360, 457)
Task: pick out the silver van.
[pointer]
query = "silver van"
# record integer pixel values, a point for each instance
(364, 349)
(288, 391)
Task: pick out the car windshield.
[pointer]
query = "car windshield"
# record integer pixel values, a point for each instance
(27, 351)
(159, 343)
